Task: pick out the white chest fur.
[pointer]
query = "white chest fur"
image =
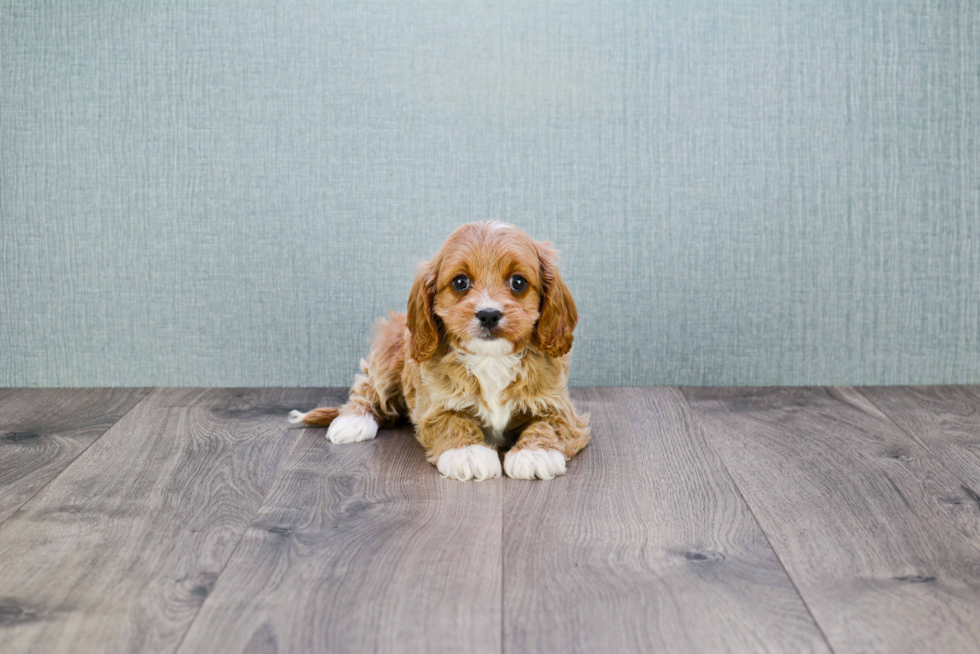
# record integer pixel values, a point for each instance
(495, 368)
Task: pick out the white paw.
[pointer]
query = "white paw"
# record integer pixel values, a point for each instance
(476, 462)
(352, 428)
(295, 418)
(534, 462)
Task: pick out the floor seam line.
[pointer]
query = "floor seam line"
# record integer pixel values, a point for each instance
(77, 457)
(503, 571)
(925, 448)
(779, 559)
(241, 537)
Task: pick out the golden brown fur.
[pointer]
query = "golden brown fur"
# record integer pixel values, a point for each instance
(420, 364)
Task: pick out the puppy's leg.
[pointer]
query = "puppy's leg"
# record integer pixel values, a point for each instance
(355, 421)
(453, 442)
(375, 399)
(545, 446)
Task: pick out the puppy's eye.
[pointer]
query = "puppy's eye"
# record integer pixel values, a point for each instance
(461, 282)
(518, 283)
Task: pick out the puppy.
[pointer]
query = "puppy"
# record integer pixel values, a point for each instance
(479, 362)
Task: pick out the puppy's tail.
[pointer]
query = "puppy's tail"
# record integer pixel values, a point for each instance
(321, 417)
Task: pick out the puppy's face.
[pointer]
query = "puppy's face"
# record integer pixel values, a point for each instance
(491, 289)
(488, 289)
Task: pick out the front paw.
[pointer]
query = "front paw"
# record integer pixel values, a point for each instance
(476, 462)
(532, 462)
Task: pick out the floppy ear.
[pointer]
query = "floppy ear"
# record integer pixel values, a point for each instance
(421, 318)
(553, 333)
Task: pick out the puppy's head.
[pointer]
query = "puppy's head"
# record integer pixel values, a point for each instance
(491, 289)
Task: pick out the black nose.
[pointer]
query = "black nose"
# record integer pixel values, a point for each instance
(489, 318)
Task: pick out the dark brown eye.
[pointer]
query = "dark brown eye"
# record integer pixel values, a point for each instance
(518, 283)
(461, 282)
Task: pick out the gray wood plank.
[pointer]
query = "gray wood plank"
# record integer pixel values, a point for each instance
(645, 545)
(943, 419)
(118, 552)
(858, 513)
(361, 548)
(42, 430)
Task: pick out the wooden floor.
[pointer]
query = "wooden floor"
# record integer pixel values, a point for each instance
(737, 519)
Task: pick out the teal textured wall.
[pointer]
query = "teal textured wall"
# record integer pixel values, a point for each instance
(744, 192)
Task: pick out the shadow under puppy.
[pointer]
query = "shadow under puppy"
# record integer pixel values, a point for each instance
(479, 362)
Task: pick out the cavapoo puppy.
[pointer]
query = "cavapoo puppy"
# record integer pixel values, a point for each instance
(479, 362)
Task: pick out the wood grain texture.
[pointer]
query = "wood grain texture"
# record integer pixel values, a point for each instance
(859, 513)
(119, 551)
(197, 522)
(42, 430)
(943, 419)
(645, 545)
(362, 548)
